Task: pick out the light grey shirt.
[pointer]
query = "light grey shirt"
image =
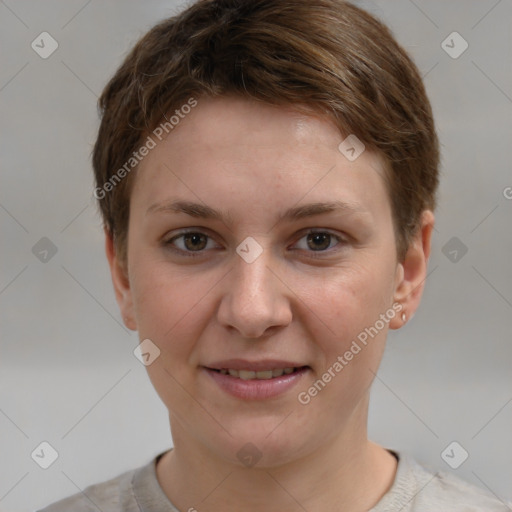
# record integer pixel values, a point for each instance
(414, 490)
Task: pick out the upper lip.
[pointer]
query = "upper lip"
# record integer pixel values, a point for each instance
(264, 364)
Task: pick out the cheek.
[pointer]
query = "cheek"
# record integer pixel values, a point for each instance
(161, 301)
(173, 309)
(170, 310)
(346, 324)
(162, 294)
(349, 300)
(345, 321)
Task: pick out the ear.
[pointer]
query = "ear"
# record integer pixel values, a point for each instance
(121, 284)
(412, 272)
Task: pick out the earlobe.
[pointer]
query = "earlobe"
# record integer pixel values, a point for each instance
(412, 272)
(121, 283)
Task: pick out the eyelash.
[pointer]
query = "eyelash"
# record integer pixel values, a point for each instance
(195, 254)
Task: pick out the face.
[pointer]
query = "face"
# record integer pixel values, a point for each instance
(257, 277)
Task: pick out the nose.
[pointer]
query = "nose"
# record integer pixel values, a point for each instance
(256, 299)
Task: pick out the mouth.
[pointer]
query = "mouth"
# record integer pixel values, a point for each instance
(259, 375)
(256, 381)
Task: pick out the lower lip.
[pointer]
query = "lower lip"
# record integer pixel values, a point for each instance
(256, 389)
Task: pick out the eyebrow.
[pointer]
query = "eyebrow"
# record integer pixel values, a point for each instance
(296, 213)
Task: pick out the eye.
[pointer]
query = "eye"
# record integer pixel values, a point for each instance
(194, 243)
(320, 241)
(189, 243)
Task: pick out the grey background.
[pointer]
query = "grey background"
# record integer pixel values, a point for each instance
(67, 372)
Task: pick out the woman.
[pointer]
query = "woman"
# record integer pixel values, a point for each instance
(267, 175)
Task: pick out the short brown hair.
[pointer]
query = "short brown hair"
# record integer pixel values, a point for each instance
(328, 55)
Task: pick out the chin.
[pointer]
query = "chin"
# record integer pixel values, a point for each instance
(259, 444)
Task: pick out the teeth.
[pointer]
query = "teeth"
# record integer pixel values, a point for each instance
(260, 375)
(245, 374)
(266, 374)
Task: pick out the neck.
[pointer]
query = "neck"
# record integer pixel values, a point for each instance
(347, 471)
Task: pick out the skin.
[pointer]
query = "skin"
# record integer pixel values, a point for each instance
(254, 161)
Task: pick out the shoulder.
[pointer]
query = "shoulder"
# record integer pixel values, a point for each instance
(417, 489)
(114, 495)
(449, 490)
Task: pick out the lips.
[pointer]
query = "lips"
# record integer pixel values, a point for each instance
(256, 389)
(256, 380)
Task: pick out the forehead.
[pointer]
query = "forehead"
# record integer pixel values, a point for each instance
(230, 122)
(227, 145)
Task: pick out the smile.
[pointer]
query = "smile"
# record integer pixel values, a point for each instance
(259, 375)
(258, 384)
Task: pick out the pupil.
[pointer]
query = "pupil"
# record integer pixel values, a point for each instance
(318, 237)
(196, 237)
